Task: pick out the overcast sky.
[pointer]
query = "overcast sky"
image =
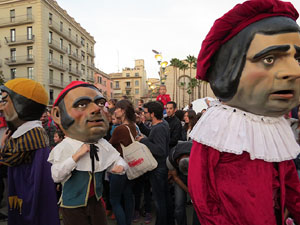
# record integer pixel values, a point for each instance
(126, 30)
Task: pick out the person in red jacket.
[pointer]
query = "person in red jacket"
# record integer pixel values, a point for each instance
(241, 169)
(163, 97)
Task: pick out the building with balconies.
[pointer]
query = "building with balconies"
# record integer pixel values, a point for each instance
(104, 83)
(132, 82)
(39, 40)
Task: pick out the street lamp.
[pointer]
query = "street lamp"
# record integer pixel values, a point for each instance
(151, 87)
(163, 76)
(162, 66)
(158, 58)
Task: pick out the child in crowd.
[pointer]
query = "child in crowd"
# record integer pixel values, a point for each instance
(140, 105)
(163, 97)
(115, 121)
(58, 136)
(111, 103)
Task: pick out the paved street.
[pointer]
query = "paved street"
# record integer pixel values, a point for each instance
(113, 222)
(189, 210)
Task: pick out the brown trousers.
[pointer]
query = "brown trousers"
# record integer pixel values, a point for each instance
(92, 214)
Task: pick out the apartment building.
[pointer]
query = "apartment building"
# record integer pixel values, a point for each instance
(40, 41)
(132, 82)
(104, 83)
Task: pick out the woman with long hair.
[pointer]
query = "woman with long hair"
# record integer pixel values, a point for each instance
(120, 186)
(190, 121)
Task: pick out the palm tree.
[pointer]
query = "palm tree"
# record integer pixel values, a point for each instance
(178, 63)
(175, 63)
(191, 60)
(199, 81)
(183, 67)
(192, 84)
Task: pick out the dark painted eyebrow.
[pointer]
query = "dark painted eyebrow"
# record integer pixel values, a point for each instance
(297, 48)
(4, 97)
(81, 99)
(98, 97)
(278, 48)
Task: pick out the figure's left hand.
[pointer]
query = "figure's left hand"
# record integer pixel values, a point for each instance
(117, 169)
(5, 137)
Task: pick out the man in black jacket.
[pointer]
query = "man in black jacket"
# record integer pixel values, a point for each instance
(158, 143)
(174, 124)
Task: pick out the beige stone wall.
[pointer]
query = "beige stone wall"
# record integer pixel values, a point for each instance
(20, 25)
(137, 79)
(40, 44)
(178, 93)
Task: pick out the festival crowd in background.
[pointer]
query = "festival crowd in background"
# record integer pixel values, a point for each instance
(164, 129)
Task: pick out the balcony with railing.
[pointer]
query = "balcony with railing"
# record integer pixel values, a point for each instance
(91, 65)
(90, 79)
(63, 32)
(74, 56)
(57, 46)
(19, 40)
(19, 60)
(57, 83)
(17, 20)
(75, 72)
(57, 65)
(90, 52)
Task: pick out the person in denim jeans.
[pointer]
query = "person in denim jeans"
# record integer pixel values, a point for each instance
(120, 186)
(142, 186)
(158, 143)
(177, 163)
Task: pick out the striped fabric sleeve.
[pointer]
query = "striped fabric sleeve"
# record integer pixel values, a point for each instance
(21, 150)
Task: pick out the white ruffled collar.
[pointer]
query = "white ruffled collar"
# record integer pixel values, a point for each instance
(232, 130)
(25, 127)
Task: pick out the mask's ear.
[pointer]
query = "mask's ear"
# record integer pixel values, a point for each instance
(56, 115)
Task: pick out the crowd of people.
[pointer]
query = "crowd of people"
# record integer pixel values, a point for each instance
(160, 126)
(165, 130)
(239, 162)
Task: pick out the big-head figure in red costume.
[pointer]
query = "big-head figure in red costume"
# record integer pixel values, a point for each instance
(241, 169)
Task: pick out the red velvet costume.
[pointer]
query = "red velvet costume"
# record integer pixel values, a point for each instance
(233, 189)
(240, 167)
